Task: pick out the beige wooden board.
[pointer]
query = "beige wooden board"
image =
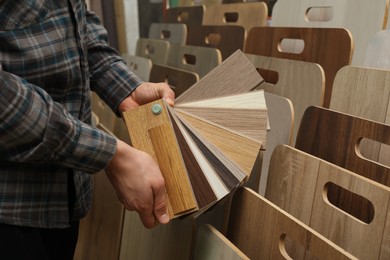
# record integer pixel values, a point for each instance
(377, 54)
(171, 241)
(259, 228)
(175, 33)
(351, 234)
(287, 186)
(241, 150)
(100, 231)
(301, 82)
(154, 135)
(104, 113)
(385, 249)
(281, 119)
(120, 25)
(179, 80)
(247, 15)
(198, 59)
(141, 66)
(291, 168)
(212, 245)
(155, 50)
(189, 15)
(362, 18)
(364, 92)
(234, 75)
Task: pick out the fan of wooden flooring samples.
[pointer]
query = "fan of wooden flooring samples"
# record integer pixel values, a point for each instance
(205, 145)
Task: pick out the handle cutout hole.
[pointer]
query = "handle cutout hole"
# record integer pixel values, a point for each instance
(165, 34)
(288, 45)
(366, 148)
(133, 66)
(231, 17)
(170, 81)
(189, 59)
(182, 17)
(149, 50)
(319, 14)
(269, 76)
(290, 249)
(213, 39)
(346, 200)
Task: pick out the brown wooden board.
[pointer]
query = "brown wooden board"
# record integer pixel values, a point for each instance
(226, 38)
(335, 137)
(260, 230)
(331, 48)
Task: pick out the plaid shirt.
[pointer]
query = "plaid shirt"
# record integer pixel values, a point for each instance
(52, 54)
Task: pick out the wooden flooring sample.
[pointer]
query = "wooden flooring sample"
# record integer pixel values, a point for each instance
(153, 134)
(233, 76)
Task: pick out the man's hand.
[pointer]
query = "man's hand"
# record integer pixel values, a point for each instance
(148, 92)
(139, 184)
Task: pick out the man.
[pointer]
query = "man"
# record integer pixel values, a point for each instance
(52, 54)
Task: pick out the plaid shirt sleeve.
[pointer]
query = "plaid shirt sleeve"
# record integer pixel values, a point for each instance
(35, 128)
(110, 77)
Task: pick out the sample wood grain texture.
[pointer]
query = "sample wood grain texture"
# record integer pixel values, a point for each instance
(198, 59)
(141, 66)
(179, 80)
(244, 113)
(211, 244)
(247, 15)
(155, 50)
(364, 92)
(100, 231)
(377, 53)
(362, 18)
(189, 15)
(259, 229)
(120, 25)
(175, 33)
(331, 48)
(234, 75)
(361, 238)
(226, 38)
(336, 137)
(281, 119)
(301, 82)
(154, 135)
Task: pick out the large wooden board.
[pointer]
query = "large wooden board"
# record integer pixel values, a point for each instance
(335, 137)
(377, 53)
(175, 33)
(301, 82)
(179, 80)
(260, 230)
(189, 15)
(212, 245)
(141, 66)
(198, 59)
(226, 38)
(333, 221)
(362, 18)
(331, 48)
(247, 15)
(155, 50)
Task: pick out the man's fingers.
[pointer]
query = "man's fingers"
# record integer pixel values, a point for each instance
(160, 206)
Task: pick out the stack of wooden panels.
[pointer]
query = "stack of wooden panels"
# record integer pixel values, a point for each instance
(207, 144)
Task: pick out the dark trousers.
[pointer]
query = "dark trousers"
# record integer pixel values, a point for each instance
(26, 243)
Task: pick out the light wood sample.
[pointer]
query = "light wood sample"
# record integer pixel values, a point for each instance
(175, 33)
(377, 54)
